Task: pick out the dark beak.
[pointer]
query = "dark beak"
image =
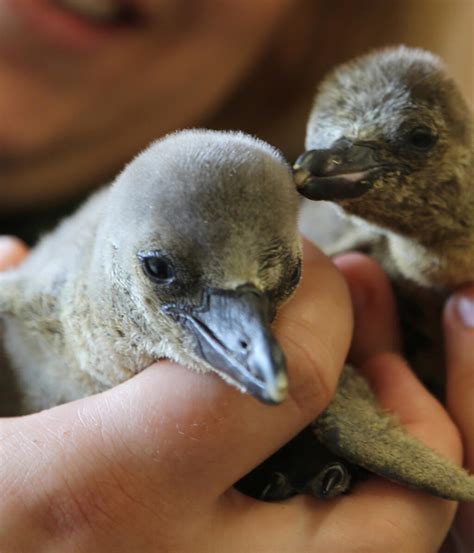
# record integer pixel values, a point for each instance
(233, 334)
(344, 171)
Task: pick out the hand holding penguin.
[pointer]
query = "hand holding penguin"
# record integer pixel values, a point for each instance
(177, 259)
(138, 452)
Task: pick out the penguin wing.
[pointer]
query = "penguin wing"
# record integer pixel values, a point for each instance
(358, 430)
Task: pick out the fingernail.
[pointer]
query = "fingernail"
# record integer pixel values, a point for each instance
(465, 310)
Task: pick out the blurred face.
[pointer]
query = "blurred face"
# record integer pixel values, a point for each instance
(85, 84)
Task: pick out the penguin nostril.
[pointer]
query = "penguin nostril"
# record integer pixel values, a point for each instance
(244, 345)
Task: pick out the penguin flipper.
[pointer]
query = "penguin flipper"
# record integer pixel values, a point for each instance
(355, 428)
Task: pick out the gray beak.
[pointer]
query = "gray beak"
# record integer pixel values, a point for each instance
(233, 334)
(344, 171)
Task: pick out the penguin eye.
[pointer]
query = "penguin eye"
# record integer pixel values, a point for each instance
(422, 138)
(157, 267)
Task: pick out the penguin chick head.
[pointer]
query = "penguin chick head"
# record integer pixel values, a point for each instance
(390, 138)
(200, 243)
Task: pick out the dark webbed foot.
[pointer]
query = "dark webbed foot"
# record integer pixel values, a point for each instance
(335, 479)
(303, 465)
(278, 488)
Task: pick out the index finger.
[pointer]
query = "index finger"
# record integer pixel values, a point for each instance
(376, 327)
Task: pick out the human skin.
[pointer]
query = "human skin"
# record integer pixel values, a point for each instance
(72, 116)
(72, 122)
(458, 323)
(149, 465)
(75, 120)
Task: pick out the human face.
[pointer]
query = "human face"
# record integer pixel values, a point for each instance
(79, 97)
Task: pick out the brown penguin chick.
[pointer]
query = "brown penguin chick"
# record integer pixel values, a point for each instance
(390, 140)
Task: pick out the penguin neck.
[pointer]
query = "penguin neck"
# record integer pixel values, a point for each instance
(443, 265)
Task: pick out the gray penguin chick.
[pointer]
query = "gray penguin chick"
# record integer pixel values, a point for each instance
(390, 140)
(178, 259)
(163, 263)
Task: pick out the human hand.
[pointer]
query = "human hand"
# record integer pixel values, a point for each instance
(149, 465)
(459, 340)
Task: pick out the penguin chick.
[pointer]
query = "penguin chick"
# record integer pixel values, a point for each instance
(390, 140)
(163, 263)
(176, 259)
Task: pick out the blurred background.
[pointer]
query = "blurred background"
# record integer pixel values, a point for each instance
(85, 85)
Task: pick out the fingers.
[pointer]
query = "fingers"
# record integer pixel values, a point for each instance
(183, 433)
(375, 335)
(459, 341)
(378, 516)
(375, 315)
(399, 519)
(12, 252)
(399, 391)
(459, 332)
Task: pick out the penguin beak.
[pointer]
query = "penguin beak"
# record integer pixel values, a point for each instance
(344, 171)
(233, 334)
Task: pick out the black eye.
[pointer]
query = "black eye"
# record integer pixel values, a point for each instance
(422, 138)
(158, 267)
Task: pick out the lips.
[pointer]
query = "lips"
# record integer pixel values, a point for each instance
(74, 24)
(105, 12)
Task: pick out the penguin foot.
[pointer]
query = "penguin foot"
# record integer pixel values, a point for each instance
(302, 466)
(335, 479)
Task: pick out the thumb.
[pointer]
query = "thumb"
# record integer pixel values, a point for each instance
(12, 252)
